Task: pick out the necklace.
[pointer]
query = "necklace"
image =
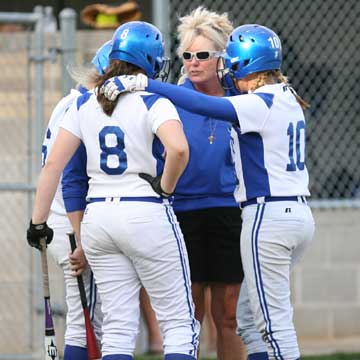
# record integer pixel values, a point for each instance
(212, 127)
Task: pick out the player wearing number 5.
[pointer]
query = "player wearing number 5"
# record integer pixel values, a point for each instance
(269, 153)
(129, 231)
(65, 216)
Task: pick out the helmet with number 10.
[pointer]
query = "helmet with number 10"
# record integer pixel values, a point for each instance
(141, 44)
(252, 48)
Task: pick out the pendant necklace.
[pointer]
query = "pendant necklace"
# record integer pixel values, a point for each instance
(212, 126)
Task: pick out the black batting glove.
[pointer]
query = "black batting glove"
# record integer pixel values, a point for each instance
(155, 183)
(35, 232)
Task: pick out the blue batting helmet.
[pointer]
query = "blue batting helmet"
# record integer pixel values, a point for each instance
(101, 58)
(141, 44)
(252, 48)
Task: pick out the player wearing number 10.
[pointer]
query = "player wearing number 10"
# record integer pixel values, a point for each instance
(268, 141)
(129, 231)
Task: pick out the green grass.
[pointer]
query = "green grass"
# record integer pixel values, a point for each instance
(339, 356)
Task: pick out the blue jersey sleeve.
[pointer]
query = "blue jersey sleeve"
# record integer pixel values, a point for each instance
(75, 181)
(194, 101)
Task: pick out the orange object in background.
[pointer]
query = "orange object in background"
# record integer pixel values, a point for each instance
(101, 16)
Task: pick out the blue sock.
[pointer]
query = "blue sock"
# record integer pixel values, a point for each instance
(258, 356)
(75, 353)
(118, 357)
(175, 356)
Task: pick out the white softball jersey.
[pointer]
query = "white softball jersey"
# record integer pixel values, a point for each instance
(118, 145)
(269, 146)
(57, 206)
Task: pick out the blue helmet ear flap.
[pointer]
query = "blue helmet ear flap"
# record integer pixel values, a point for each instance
(226, 78)
(101, 58)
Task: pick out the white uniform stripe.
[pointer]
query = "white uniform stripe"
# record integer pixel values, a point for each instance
(170, 215)
(180, 243)
(93, 297)
(175, 228)
(259, 282)
(256, 274)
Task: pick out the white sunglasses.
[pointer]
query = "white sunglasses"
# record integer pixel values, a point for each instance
(200, 55)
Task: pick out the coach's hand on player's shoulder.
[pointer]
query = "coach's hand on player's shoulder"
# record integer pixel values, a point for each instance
(113, 87)
(155, 183)
(35, 232)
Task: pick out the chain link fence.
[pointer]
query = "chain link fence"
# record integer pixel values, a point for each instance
(29, 89)
(17, 303)
(321, 56)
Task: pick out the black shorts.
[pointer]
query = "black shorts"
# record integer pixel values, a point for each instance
(212, 238)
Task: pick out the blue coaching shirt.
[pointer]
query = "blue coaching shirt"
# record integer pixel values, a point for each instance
(209, 179)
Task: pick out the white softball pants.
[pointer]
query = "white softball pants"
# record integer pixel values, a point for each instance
(132, 244)
(274, 236)
(59, 248)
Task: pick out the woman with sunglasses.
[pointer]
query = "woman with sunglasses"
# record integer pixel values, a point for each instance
(204, 202)
(269, 152)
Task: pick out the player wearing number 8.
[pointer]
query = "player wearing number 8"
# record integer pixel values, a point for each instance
(129, 231)
(268, 141)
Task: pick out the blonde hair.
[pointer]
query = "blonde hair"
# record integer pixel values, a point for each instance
(211, 25)
(85, 75)
(276, 76)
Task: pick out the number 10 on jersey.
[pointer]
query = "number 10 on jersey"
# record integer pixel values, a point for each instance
(296, 134)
